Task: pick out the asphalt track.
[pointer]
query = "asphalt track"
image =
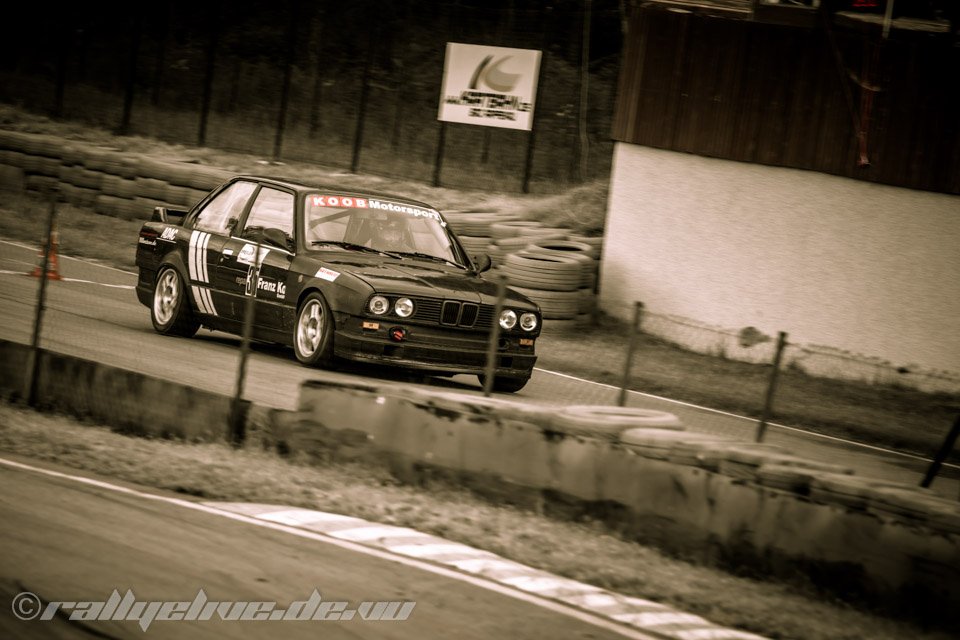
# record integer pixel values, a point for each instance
(93, 313)
(67, 540)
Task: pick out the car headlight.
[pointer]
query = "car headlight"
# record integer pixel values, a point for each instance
(508, 319)
(528, 321)
(404, 307)
(379, 305)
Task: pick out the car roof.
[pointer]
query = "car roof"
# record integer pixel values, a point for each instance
(303, 188)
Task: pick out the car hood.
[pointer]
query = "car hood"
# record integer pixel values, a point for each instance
(426, 280)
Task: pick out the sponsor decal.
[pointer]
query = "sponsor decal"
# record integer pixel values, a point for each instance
(272, 286)
(199, 271)
(348, 202)
(366, 203)
(371, 325)
(275, 287)
(169, 234)
(246, 254)
(327, 274)
(248, 282)
(404, 208)
(151, 243)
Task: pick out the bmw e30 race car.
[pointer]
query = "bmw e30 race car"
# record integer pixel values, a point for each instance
(359, 276)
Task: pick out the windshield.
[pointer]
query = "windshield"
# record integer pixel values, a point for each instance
(393, 228)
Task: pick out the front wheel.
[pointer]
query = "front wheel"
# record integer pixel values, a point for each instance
(505, 384)
(171, 313)
(313, 333)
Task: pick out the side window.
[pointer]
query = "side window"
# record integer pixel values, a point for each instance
(273, 209)
(227, 204)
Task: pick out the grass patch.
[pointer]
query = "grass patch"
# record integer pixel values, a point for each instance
(579, 550)
(886, 416)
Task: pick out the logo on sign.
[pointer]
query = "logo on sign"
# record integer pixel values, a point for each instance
(494, 77)
(489, 86)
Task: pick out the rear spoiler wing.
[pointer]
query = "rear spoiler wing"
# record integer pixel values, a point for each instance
(170, 216)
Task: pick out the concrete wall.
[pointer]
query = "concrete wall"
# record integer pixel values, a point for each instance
(707, 498)
(126, 400)
(854, 266)
(741, 505)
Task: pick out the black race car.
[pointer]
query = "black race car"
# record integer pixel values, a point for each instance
(359, 276)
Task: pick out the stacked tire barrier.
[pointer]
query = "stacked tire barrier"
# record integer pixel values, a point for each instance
(550, 265)
(108, 181)
(473, 227)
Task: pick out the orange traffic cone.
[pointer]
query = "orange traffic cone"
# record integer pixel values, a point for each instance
(53, 265)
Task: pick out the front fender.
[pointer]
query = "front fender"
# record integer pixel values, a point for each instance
(344, 292)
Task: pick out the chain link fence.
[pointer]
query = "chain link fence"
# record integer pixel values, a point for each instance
(751, 385)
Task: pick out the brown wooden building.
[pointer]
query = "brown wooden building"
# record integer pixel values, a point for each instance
(824, 87)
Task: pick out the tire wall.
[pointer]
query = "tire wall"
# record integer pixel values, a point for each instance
(552, 266)
(105, 180)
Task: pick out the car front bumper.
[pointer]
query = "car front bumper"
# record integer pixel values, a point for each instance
(431, 349)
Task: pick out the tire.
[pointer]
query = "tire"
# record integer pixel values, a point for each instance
(504, 384)
(170, 312)
(313, 332)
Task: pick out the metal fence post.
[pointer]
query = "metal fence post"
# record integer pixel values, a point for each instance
(945, 449)
(213, 16)
(33, 357)
(494, 343)
(631, 347)
(237, 407)
(131, 79)
(771, 387)
(287, 78)
(364, 97)
(438, 160)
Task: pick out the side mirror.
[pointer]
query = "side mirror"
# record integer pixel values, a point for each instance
(482, 262)
(231, 226)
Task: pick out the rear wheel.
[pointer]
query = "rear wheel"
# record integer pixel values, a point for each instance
(171, 313)
(505, 384)
(313, 333)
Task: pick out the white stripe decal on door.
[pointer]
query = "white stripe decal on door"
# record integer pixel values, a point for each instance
(204, 243)
(190, 252)
(209, 297)
(197, 256)
(200, 271)
(201, 301)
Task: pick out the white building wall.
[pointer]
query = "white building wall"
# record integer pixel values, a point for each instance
(850, 265)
